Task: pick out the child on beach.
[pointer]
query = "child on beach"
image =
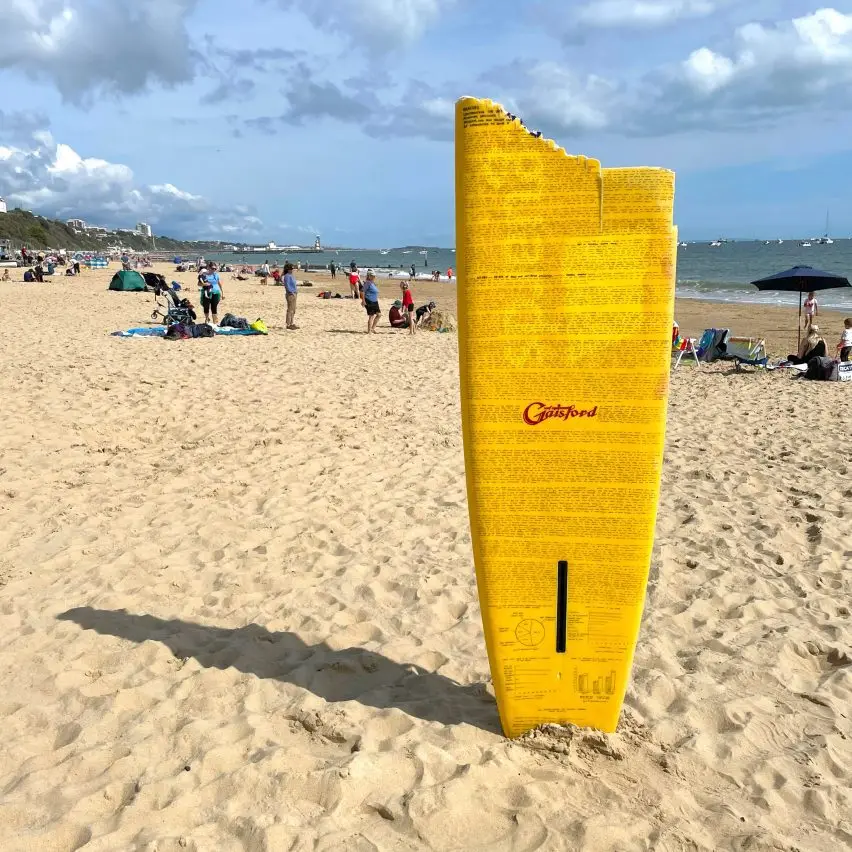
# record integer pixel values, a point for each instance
(370, 301)
(354, 282)
(408, 305)
(811, 310)
(845, 345)
(6, 275)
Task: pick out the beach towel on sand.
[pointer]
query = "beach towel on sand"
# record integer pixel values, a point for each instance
(161, 332)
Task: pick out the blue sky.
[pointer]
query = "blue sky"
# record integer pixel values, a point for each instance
(277, 119)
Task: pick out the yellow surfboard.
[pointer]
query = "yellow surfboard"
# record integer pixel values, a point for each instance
(566, 276)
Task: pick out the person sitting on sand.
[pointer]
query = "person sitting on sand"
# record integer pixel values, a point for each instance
(370, 301)
(844, 348)
(395, 316)
(423, 313)
(6, 275)
(811, 310)
(812, 346)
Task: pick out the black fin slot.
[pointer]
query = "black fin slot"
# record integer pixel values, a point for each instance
(561, 607)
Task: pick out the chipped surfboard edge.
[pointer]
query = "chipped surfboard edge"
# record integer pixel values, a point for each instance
(590, 162)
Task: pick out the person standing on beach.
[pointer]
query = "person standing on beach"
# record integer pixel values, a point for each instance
(408, 305)
(811, 310)
(354, 284)
(412, 271)
(370, 301)
(211, 293)
(264, 272)
(291, 291)
(333, 269)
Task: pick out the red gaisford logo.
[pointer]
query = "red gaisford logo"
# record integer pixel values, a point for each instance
(538, 412)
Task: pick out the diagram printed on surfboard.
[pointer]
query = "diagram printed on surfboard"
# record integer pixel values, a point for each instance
(530, 632)
(586, 684)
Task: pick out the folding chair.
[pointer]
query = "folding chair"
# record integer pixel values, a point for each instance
(687, 346)
(746, 351)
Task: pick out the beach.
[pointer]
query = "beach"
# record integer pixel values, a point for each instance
(238, 607)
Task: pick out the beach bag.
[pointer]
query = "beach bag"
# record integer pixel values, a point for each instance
(178, 331)
(820, 369)
(202, 330)
(259, 325)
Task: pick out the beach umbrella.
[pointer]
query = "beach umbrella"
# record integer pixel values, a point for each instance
(801, 279)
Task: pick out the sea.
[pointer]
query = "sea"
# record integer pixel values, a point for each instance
(712, 273)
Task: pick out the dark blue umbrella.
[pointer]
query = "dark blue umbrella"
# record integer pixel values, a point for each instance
(801, 279)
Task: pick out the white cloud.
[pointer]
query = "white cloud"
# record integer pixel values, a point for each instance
(549, 94)
(52, 179)
(785, 63)
(765, 73)
(386, 23)
(640, 13)
(86, 46)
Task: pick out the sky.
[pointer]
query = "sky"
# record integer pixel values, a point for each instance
(275, 120)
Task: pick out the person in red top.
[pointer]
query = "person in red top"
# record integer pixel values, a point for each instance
(354, 281)
(408, 306)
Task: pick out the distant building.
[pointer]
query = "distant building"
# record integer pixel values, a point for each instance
(3, 205)
(271, 246)
(144, 229)
(76, 224)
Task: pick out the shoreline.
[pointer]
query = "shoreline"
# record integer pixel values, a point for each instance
(774, 323)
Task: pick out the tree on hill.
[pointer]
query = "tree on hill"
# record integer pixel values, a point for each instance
(23, 228)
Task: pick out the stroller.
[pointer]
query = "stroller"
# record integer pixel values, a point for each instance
(171, 309)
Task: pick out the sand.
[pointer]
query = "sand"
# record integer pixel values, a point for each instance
(238, 608)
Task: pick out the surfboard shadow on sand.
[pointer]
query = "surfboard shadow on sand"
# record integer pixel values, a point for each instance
(349, 674)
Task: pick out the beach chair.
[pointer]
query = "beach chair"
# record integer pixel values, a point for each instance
(746, 351)
(685, 346)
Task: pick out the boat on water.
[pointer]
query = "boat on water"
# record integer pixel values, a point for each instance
(805, 244)
(716, 244)
(825, 239)
(682, 245)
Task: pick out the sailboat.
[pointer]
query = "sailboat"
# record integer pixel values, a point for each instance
(826, 239)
